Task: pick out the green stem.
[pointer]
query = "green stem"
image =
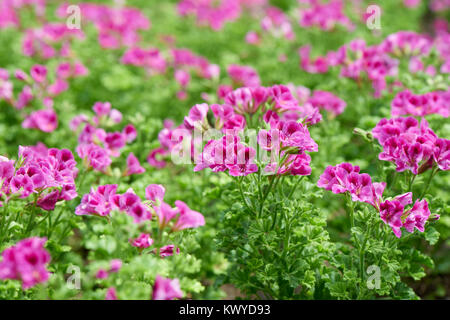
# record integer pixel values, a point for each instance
(295, 187)
(242, 195)
(351, 206)
(432, 174)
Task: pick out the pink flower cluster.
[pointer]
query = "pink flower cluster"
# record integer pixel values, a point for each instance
(10, 11)
(26, 261)
(105, 199)
(355, 60)
(43, 42)
(144, 241)
(393, 213)
(317, 65)
(181, 217)
(411, 146)
(328, 101)
(243, 76)
(187, 63)
(97, 146)
(171, 138)
(116, 27)
(277, 23)
(274, 22)
(37, 87)
(324, 15)
(166, 289)
(150, 59)
(227, 153)
(187, 60)
(183, 61)
(439, 5)
(277, 103)
(48, 173)
(288, 140)
(420, 105)
(114, 266)
(345, 178)
(378, 62)
(210, 13)
(407, 43)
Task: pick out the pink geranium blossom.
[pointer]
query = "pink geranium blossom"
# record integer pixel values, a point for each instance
(26, 261)
(168, 250)
(111, 294)
(166, 289)
(97, 202)
(133, 166)
(44, 120)
(143, 241)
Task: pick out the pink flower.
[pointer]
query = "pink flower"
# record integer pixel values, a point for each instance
(130, 133)
(97, 202)
(391, 213)
(48, 202)
(114, 141)
(116, 116)
(44, 120)
(319, 65)
(243, 75)
(245, 162)
(441, 154)
(197, 115)
(213, 14)
(417, 216)
(168, 250)
(411, 3)
(111, 294)
(131, 204)
(335, 178)
(283, 99)
(327, 101)
(26, 261)
(77, 121)
(94, 156)
(115, 265)
(165, 213)
(252, 38)
(182, 77)
(247, 100)
(47, 172)
(21, 75)
(295, 136)
(405, 143)
(155, 192)
(102, 108)
(223, 90)
(133, 165)
(38, 73)
(153, 161)
(59, 86)
(325, 15)
(187, 218)
(101, 274)
(166, 289)
(142, 242)
(407, 103)
(394, 214)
